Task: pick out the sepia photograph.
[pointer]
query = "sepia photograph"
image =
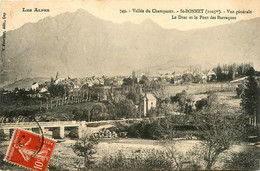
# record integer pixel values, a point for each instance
(129, 85)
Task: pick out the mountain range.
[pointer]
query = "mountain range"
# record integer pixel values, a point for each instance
(79, 44)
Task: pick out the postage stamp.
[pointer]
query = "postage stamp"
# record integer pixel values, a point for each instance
(30, 150)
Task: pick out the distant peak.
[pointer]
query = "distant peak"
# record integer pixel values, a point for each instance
(148, 21)
(83, 12)
(80, 10)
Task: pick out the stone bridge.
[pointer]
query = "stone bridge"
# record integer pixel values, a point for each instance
(56, 130)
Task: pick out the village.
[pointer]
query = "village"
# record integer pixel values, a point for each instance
(142, 92)
(140, 88)
(134, 113)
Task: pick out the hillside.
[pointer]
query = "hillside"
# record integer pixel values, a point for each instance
(79, 44)
(25, 83)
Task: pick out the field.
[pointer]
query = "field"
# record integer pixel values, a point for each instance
(127, 146)
(65, 159)
(200, 88)
(226, 92)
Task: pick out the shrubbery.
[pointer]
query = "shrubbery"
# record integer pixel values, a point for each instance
(149, 130)
(140, 160)
(167, 158)
(161, 129)
(246, 160)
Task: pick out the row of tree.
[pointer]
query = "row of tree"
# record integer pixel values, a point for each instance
(124, 108)
(230, 72)
(251, 98)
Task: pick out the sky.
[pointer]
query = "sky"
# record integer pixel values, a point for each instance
(110, 10)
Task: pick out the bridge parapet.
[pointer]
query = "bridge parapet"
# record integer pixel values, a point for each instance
(54, 124)
(57, 128)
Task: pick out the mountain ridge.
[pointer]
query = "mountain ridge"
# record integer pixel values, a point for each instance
(79, 44)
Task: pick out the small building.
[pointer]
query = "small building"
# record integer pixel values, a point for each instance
(35, 85)
(57, 81)
(43, 90)
(211, 75)
(148, 102)
(119, 82)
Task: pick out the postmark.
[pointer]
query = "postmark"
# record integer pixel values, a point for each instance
(30, 150)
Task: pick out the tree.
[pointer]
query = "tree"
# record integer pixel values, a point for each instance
(200, 104)
(2, 136)
(218, 71)
(184, 100)
(2, 155)
(197, 78)
(144, 80)
(57, 75)
(82, 112)
(111, 109)
(129, 81)
(243, 68)
(222, 72)
(132, 95)
(250, 97)
(232, 71)
(240, 88)
(168, 109)
(172, 81)
(187, 77)
(97, 92)
(245, 160)
(126, 109)
(86, 147)
(57, 90)
(152, 113)
(52, 80)
(99, 112)
(180, 161)
(158, 90)
(218, 130)
(157, 129)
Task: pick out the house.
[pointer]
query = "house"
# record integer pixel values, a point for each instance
(148, 102)
(35, 85)
(120, 81)
(43, 90)
(57, 81)
(211, 75)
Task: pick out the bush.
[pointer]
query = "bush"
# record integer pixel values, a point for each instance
(200, 104)
(126, 109)
(161, 129)
(240, 88)
(86, 147)
(140, 160)
(136, 130)
(149, 159)
(149, 130)
(246, 160)
(156, 130)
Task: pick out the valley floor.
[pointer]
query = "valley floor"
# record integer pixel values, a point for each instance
(64, 158)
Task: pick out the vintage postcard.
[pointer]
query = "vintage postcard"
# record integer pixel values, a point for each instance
(130, 85)
(29, 150)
